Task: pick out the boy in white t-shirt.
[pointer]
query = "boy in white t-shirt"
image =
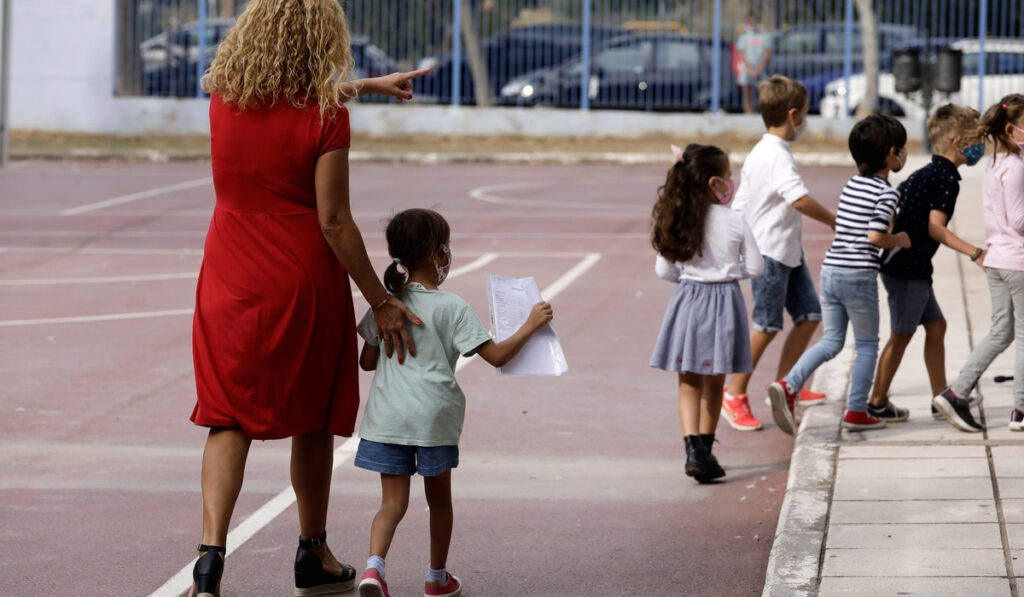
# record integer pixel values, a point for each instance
(773, 198)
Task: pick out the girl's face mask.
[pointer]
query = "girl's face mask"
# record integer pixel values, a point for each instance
(973, 153)
(1020, 144)
(724, 197)
(442, 270)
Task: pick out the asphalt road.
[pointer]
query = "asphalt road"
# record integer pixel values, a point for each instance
(569, 486)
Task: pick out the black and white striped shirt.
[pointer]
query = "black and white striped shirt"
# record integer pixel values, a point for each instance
(866, 203)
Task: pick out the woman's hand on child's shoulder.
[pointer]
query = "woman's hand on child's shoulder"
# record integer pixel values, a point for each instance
(540, 315)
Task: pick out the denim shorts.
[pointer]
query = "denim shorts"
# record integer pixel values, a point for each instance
(781, 287)
(395, 459)
(911, 303)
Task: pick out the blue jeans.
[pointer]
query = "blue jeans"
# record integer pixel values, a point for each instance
(780, 287)
(847, 296)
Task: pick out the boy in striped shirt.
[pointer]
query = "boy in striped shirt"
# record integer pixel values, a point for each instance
(849, 274)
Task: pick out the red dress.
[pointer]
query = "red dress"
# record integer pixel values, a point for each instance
(273, 339)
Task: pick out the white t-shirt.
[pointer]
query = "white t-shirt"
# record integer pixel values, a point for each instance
(729, 252)
(769, 185)
(418, 402)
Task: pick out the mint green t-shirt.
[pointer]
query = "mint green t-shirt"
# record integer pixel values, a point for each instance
(418, 402)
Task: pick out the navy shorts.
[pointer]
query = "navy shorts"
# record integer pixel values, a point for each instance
(911, 303)
(396, 459)
(780, 287)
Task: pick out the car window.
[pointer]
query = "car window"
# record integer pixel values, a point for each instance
(625, 59)
(996, 63)
(835, 42)
(677, 55)
(797, 42)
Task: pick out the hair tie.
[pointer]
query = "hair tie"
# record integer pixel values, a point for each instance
(396, 261)
(1004, 107)
(677, 153)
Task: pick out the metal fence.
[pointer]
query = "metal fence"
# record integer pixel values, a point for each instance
(683, 55)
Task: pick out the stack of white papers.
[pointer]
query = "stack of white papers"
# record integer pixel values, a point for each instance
(510, 301)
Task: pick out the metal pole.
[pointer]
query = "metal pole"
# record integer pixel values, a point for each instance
(585, 58)
(457, 52)
(848, 55)
(5, 78)
(201, 58)
(982, 25)
(716, 60)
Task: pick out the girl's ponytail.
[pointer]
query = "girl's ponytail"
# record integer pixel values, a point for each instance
(395, 279)
(993, 123)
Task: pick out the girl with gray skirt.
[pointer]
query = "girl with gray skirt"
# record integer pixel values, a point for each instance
(705, 248)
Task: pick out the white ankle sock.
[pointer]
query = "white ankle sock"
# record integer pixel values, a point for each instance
(376, 562)
(438, 576)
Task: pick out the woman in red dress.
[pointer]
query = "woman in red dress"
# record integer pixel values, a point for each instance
(274, 341)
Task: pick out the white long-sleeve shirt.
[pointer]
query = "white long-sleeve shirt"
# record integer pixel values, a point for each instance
(729, 252)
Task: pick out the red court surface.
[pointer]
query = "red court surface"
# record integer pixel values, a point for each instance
(568, 486)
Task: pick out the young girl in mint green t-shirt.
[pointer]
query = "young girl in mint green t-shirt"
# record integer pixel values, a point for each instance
(415, 409)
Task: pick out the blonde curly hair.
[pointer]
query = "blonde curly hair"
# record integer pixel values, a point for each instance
(291, 50)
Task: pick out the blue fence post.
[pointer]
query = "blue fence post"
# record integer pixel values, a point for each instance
(848, 55)
(201, 59)
(716, 60)
(457, 53)
(982, 25)
(585, 57)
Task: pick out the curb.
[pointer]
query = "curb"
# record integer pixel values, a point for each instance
(403, 157)
(794, 564)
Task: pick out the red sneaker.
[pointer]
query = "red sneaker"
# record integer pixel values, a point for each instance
(856, 420)
(736, 410)
(372, 585)
(809, 398)
(451, 588)
(783, 406)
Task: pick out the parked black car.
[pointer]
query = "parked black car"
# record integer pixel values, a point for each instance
(507, 55)
(814, 54)
(642, 71)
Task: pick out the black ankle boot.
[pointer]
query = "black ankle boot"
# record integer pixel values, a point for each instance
(714, 470)
(696, 457)
(310, 577)
(208, 570)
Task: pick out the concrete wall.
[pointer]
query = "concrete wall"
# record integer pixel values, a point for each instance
(62, 79)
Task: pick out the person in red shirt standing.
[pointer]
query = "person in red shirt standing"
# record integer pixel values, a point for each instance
(274, 334)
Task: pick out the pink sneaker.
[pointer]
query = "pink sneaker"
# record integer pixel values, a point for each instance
(809, 398)
(372, 585)
(783, 406)
(736, 410)
(451, 588)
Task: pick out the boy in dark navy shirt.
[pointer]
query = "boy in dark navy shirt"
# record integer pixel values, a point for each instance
(928, 198)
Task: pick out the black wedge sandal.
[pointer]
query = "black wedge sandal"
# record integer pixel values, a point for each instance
(208, 570)
(310, 577)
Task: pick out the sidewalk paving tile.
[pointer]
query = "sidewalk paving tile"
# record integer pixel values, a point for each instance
(914, 562)
(918, 489)
(914, 586)
(1013, 510)
(917, 512)
(908, 536)
(1012, 487)
(903, 452)
(919, 468)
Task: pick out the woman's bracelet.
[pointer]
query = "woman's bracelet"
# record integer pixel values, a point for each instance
(381, 304)
(977, 253)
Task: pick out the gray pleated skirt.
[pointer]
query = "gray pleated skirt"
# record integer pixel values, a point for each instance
(705, 330)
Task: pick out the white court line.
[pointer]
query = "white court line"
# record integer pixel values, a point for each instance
(71, 250)
(180, 582)
(181, 186)
(487, 194)
(99, 279)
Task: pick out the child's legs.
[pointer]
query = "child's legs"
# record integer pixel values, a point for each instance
(394, 501)
(769, 294)
(438, 490)
(691, 385)
(805, 310)
(888, 363)
(935, 354)
(710, 403)
(1000, 334)
(859, 292)
(911, 303)
(1016, 283)
(835, 318)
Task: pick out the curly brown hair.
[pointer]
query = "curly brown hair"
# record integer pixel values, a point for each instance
(677, 220)
(291, 50)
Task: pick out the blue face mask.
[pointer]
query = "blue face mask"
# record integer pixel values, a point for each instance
(973, 153)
